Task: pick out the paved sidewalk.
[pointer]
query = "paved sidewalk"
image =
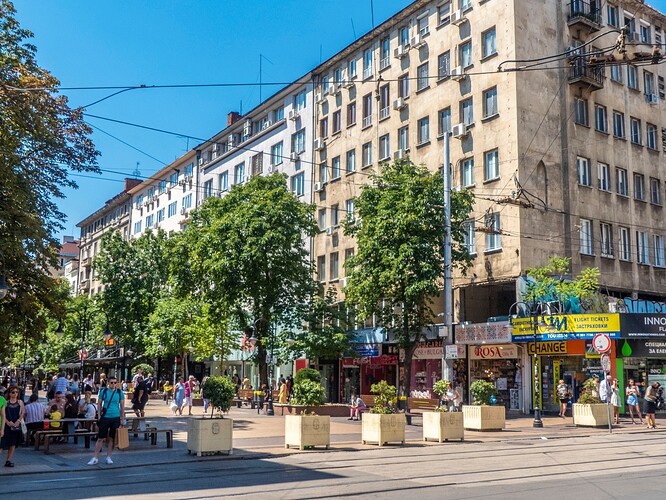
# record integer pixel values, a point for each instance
(261, 436)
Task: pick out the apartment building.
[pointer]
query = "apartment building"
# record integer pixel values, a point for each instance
(563, 157)
(113, 216)
(276, 136)
(164, 200)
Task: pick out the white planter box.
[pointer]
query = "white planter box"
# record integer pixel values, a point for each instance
(382, 429)
(484, 418)
(443, 426)
(307, 430)
(590, 415)
(210, 435)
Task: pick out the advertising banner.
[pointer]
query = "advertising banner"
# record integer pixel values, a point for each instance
(493, 352)
(643, 325)
(566, 327)
(643, 348)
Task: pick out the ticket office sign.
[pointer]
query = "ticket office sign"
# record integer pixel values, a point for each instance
(566, 327)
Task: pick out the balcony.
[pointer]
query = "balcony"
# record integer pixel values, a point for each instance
(584, 16)
(586, 76)
(367, 121)
(84, 286)
(86, 261)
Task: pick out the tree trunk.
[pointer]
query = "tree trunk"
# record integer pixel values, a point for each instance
(407, 367)
(263, 367)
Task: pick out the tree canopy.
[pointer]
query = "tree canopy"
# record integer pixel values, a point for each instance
(398, 268)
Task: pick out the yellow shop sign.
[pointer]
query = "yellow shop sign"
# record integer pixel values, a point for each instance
(566, 326)
(547, 348)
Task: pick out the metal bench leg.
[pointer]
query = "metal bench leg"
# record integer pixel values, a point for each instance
(169, 437)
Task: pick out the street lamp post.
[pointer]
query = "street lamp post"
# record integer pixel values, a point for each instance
(269, 405)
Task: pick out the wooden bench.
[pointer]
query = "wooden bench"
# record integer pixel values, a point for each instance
(153, 432)
(49, 435)
(245, 396)
(417, 406)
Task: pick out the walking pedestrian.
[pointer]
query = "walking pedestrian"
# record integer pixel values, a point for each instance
(102, 380)
(632, 393)
(189, 390)
(284, 392)
(34, 416)
(605, 389)
(563, 396)
(111, 415)
(179, 396)
(206, 401)
(651, 404)
(11, 432)
(615, 400)
(140, 397)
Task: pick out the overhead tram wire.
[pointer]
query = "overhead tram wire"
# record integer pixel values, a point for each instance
(126, 144)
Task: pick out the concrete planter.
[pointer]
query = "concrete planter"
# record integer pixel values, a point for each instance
(443, 426)
(382, 429)
(484, 418)
(210, 436)
(332, 410)
(590, 415)
(307, 430)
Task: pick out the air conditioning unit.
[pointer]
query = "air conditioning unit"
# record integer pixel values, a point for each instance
(188, 177)
(319, 96)
(399, 154)
(272, 168)
(330, 230)
(457, 73)
(183, 211)
(417, 41)
(247, 128)
(346, 83)
(400, 51)
(459, 130)
(399, 103)
(652, 99)
(294, 156)
(319, 144)
(458, 17)
(318, 187)
(232, 141)
(332, 89)
(293, 115)
(266, 124)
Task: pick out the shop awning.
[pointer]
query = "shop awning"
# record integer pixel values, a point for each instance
(368, 336)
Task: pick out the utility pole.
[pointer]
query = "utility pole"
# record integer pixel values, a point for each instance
(447, 371)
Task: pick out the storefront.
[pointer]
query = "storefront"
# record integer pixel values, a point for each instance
(499, 364)
(457, 356)
(426, 368)
(644, 361)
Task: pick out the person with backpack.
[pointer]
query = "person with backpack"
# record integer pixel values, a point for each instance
(111, 413)
(150, 382)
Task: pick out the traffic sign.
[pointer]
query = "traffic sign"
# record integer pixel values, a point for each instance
(601, 342)
(605, 363)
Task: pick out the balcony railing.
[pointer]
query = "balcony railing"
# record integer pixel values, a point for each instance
(583, 72)
(367, 121)
(384, 112)
(584, 13)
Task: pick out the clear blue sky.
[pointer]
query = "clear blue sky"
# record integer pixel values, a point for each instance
(98, 43)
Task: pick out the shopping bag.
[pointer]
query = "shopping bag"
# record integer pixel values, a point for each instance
(122, 438)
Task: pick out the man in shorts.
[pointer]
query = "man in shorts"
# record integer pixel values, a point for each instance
(140, 397)
(111, 413)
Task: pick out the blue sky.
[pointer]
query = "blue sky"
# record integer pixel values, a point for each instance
(105, 43)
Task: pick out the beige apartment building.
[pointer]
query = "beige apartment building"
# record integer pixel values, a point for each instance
(565, 157)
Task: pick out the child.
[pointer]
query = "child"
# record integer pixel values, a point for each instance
(55, 416)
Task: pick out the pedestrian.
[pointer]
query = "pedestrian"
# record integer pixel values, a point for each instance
(615, 400)
(290, 383)
(140, 397)
(150, 383)
(632, 393)
(357, 405)
(605, 389)
(74, 387)
(563, 395)
(189, 391)
(246, 383)
(12, 415)
(59, 401)
(88, 384)
(87, 410)
(61, 384)
(139, 373)
(168, 392)
(35, 386)
(206, 401)
(650, 406)
(451, 397)
(34, 416)
(179, 396)
(111, 415)
(55, 415)
(284, 392)
(102, 380)
(71, 411)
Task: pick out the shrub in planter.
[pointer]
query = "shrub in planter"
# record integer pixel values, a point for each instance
(308, 393)
(590, 393)
(145, 367)
(220, 391)
(385, 394)
(307, 374)
(481, 416)
(482, 391)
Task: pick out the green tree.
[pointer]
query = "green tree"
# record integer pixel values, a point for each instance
(41, 138)
(398, 267)
(248, 259)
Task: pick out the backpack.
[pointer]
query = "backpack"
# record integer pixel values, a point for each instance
(149, 385)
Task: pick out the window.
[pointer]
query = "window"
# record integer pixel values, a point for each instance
(444, 65)
(337, 119)
(659, 251)
(334, 266)
(325, 83)
(239, 173)
(208, 189)
(297, 142)
(321, 267)
(490, 102)
(422, 24)
(618, 124)
(298, 184)
(586, 246)
(384, 148)
(635, 126)
(424, 130)
(335, 168)
(367, 110)
(606, 239)
(173, 179)
(187, 202)
(349, 208)
(655, 191)
(466, 54)
(465, 4)
(137, 227)
(625, 244)
(403, 138)
(277, 154)
(642, 243)
(349, 253)
(323, 127)
(335, 215)
(161, 211)
(403, 36)
(584, 175)
(580, 112)
(384, 102)
(278, 115)
(616, 73)
(385, 54)
(603, 174)
(351, 114)
(467, 172)
(352, 69)
(469, 236)
(651, 136)
(403, 86)
(639, 187)
(600, 118)
(321, 219)
(648, 83)
(444, 14)
(150, 221)
(422, 77)
(467, 111)
(613, 16)
(621, 184)
(632, 77)
(323, 173)
(488, 43)
(491, 165)
(493, 237)
(300, 100)
(172, 209)
(367, 154)
(162, 186)
(351, 161)
(189, 170)
(645, 34)
(224, 181)
(367, 64)
(444, 121)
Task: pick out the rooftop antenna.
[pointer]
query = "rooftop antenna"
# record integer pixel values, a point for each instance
(353, 28)
(137, 172)
(372, 14)
(261, 57)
